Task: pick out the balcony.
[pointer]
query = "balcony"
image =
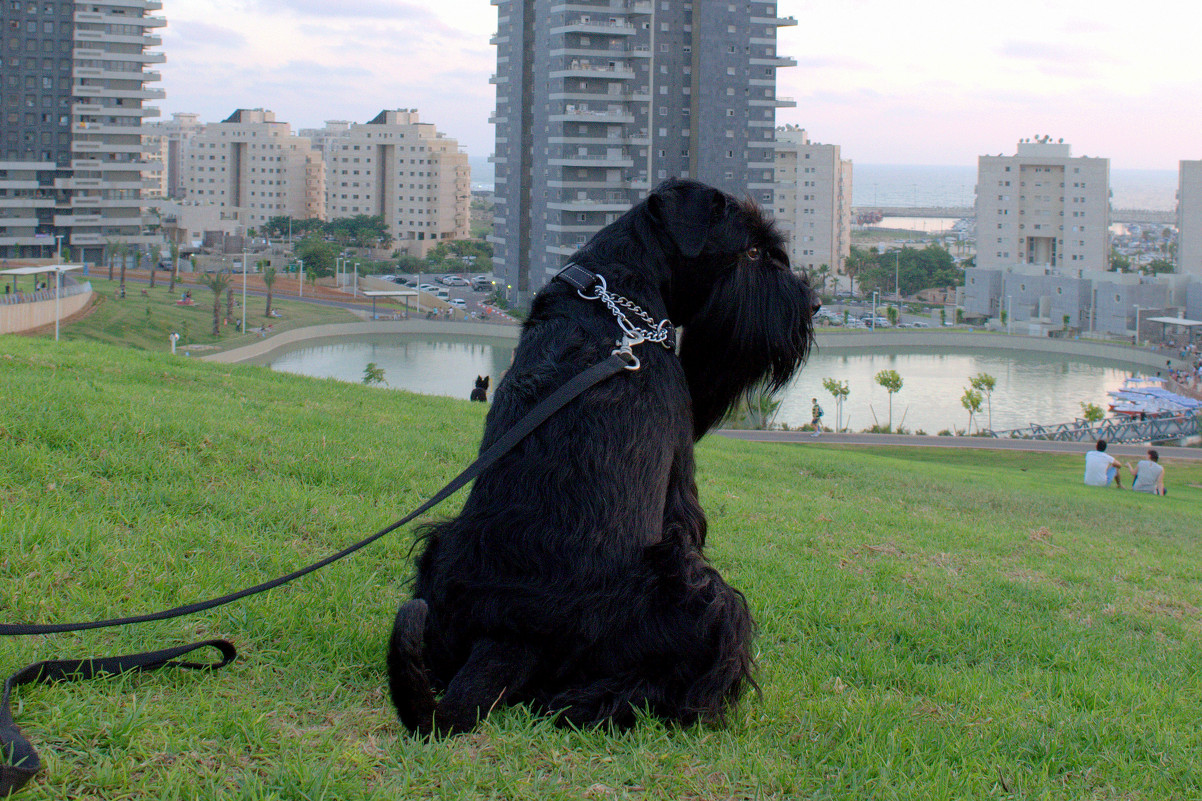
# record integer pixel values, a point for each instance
(586, 69)
(621, 160)
(606, 27)
(584, 115)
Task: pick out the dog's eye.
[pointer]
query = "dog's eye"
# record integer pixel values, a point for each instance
(753, 254)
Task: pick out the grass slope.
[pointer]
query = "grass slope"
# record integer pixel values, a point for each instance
(935, 624)
(145, 321)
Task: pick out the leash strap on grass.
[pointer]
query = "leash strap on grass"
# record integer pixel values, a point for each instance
(533, 419)
(19, 762)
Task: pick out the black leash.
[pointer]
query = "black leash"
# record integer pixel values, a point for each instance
(19, 761)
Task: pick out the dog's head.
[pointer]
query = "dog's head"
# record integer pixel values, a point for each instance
(482, 382)
(726, 280)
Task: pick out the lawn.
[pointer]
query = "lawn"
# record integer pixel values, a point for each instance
(934, 623)
(145, 321)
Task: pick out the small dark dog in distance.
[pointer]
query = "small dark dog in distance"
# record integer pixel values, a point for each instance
(480, 392)
(574, 579)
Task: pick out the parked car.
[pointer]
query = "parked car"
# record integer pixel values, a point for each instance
(920, 324)
(458, 303)
(482, 283)
(430, 288)
(442, 294)
(453, 280)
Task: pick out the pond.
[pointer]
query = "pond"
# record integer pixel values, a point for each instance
(1031, 387)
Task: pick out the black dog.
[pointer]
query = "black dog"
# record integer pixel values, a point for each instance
(480, 392)
(574, 578)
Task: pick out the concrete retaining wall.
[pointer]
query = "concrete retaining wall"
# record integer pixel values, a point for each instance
(838, 340)
(18, 317)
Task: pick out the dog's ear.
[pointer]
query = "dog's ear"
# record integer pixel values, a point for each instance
(486, 381)
(686, 211)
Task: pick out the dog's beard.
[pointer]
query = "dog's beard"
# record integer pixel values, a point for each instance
(754, 330)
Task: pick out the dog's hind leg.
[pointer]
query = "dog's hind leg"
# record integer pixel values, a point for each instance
(408, 679)
(494, 674)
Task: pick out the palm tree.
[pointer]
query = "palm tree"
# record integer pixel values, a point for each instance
(174, 266)
(122, 249)
(218, 282)
(229, 303)
(156, 255)
(268, 281)
(110, 247)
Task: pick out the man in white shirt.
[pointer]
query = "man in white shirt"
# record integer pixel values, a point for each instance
(1148, 475)
(1101, 468)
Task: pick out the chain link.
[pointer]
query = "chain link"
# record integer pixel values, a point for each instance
(659, 332)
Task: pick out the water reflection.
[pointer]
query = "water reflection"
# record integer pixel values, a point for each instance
(1031, 387)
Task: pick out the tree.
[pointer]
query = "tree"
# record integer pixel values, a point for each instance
(912, 270)
(971, 400)
(761, 408)
(268, 281)
(156, 255)
(1118, 262)
(218, 282)
(229, 303)
(110, 251)
(1158, 266)
(174, 266)
(122, 249)
(892, 314)
(984, 383)
(857, 262)
(1092, 412)
(373, 374)
(317, 255)
(892, 382)
(821, 274)
(840, 390)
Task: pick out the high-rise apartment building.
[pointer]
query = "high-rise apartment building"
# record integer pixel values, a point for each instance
(599, 100)
(1189, 218)
(1043, 207)
(168, 143)
(254, 167)
(404, 170)
(813, 200)
(73, 88)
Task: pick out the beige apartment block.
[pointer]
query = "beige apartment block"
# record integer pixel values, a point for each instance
(168, 142)
(251, 163)
(404, 170)
(1043, 207)
(813, 200)
(1189, 218)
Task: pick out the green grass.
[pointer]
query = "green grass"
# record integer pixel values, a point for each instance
(144, 322)
(935, 624)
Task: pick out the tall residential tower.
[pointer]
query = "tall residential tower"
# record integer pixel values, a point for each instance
(600, 100)
(1043, 207)
(73, 90)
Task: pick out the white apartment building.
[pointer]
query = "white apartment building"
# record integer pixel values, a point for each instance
(813, 200)
(404, 170)
(168, 143)
(73, 93)
(1189, 218)
(254, 166)
(1044, 207)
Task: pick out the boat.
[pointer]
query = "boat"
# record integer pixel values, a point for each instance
(1146, 396)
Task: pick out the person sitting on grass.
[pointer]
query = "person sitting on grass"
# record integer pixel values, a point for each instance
(1101, 468)
(1148, 475)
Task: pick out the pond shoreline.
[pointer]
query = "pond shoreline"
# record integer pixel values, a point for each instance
(833, 340)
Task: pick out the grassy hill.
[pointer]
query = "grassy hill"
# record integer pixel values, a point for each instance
(935, 624)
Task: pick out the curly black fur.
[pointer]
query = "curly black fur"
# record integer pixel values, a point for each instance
(574, 579)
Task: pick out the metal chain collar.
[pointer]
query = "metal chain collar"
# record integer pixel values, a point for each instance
(662, 332)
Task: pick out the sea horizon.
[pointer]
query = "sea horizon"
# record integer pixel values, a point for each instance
(949, 185)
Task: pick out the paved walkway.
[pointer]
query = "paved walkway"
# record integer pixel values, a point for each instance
(986, 443)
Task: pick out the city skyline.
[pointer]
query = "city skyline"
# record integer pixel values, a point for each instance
(922, 83)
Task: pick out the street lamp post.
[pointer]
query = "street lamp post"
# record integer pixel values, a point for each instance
(874, 294)
(1138, 309)
(300, 276)
(243, 290)
(58, 280)
(1009, 313)
(896, 273)
(356, 292)
(58, 248)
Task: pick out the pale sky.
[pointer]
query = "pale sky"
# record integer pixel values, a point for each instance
(891, 81)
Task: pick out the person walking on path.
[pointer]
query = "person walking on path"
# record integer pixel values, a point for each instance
(816, 414)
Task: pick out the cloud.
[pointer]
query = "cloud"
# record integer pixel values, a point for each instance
(188, 35)
(369, 9)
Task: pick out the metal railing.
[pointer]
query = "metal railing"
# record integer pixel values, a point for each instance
(1153, 429)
